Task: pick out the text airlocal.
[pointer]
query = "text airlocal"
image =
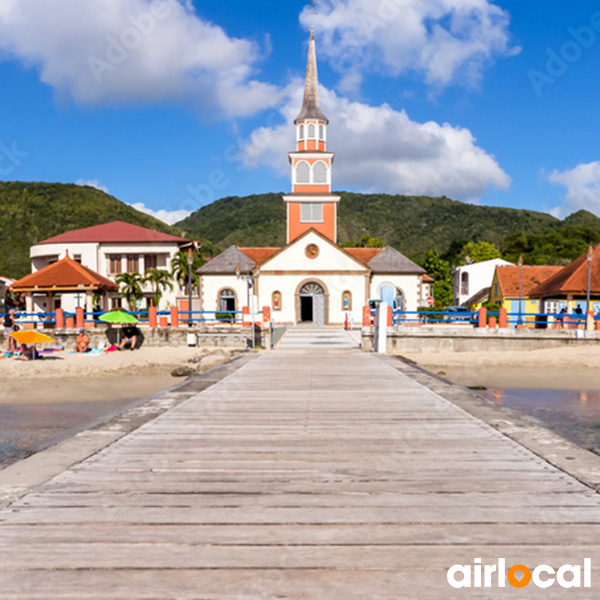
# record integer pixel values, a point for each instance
(479, 575)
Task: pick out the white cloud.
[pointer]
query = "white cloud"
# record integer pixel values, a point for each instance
(446, 40)
(92, 183)
(166, 216)
(379, 149)
(583, 188)
(106, 52)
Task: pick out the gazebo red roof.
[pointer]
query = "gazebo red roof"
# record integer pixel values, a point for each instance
(364, 254)
(114, 232)
(572, 279)
(65, 274)
(259, 255)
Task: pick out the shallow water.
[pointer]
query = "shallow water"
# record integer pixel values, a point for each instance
(29, 428)
(574, 414)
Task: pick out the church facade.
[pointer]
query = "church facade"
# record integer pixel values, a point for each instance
(312, 279)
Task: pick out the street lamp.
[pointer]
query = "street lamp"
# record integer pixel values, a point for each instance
(590, 256)
(190, 262)
(249, 278)
(520, 263)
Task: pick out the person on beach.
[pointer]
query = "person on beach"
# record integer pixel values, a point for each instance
(130, 337)
(28, 353)
(10, 327)
(82, 343)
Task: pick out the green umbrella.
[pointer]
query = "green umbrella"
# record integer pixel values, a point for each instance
(118, 316)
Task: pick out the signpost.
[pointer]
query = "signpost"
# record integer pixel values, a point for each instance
(430, 301)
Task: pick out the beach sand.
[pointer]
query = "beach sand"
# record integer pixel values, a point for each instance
(565, 368)
(127, 375)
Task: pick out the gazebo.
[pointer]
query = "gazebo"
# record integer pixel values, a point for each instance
(64, 284)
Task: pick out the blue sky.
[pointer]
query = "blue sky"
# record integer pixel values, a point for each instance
(171, 104)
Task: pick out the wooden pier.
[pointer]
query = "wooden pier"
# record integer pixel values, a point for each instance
(315, 473)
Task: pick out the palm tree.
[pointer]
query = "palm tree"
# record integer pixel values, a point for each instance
(160, 279)
(180, 268)
(131, 287)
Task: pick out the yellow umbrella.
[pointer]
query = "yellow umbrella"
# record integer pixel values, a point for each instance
(31, 336)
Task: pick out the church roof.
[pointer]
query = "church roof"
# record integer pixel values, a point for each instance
(259, 255)
(227, 262)
(64, 274)
(311, 107)
(390, 260)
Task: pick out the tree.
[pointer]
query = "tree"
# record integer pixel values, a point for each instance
(475, 252)
(161, 280)
(439, 271)
(365, 242)
(180, 268)
(131, 287)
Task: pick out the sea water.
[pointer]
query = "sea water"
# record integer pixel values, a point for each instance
(575, 414)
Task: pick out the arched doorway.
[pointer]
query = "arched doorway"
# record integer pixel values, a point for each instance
(312, 304)
(387, 293)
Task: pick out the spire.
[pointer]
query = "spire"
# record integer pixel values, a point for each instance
(311, 108)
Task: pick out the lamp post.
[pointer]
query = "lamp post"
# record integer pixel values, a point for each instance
(520, 263)
(249, 278)
(590, 256)
(190, 262)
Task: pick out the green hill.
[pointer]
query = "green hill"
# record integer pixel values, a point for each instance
(31, 212)
(412, 224)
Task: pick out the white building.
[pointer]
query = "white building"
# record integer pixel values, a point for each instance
(108, 249)
(472, 279)
(312, 279)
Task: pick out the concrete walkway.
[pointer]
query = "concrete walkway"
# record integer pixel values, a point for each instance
(302, 337)
(318, 474)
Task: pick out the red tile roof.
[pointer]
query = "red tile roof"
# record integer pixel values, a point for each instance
(64, 274)
(259, 255)
(114, 232)
(364, 254)
(532, 276)
(427, 279)
(573, 279)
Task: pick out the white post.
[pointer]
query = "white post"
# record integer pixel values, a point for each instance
(381, 328)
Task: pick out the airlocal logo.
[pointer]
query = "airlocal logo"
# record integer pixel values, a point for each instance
(519, 576)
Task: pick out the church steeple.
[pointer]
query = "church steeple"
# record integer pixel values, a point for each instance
(311, 205)
(311, 107)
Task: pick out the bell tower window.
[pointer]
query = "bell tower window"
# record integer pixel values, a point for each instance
(301, 132)
(322, 133)
(303, 173)
(311, 212)
(320, 173)
(312, 132)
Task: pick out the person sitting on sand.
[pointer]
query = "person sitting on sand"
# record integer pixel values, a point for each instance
(28, 353)
(82, 343)
(130, 337)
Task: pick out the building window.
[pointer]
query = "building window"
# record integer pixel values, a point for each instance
(551, 307)
(301, 132)
(114, 264)
(495, 290)
(77, 258)
(303, 173)
(399, 300)
(322, 133)
(464, 284)
(312, 132)
(227, 300)
(320, 173)
(276, 301)
(150, 261)
(132, 263)
(311, 212)
(347, 301)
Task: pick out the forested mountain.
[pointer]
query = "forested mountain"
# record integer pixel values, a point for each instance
(31, 212)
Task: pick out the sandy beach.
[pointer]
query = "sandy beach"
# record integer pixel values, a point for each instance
(66, 377)
(566, 368)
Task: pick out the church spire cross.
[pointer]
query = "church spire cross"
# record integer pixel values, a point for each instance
(311, 106)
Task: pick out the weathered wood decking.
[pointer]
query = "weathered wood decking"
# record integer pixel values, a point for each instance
(320, 474)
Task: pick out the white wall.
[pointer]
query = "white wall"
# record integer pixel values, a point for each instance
(409, 284)
(480, 277)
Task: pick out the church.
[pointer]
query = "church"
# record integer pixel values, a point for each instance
(312, 279)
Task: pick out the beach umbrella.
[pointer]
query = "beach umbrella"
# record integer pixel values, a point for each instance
(119, 317)
(31, 336)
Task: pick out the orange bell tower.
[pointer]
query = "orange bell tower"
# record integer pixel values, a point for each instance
(311, 203)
